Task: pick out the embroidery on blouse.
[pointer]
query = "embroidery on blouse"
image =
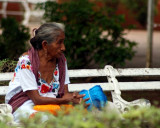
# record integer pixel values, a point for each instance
(22, 64)
(44, 87)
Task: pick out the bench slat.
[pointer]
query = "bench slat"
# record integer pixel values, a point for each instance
(6, 76)
(86, 73)
(100, 72)
(117, 72)
(3, 90)
(138, 72)
(124, 86)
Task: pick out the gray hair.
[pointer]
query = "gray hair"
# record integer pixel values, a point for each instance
(48, 32)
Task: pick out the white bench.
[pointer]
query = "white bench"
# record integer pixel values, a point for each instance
(28, 6)
(111, 83)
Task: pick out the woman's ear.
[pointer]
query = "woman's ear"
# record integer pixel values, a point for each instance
(44, 44)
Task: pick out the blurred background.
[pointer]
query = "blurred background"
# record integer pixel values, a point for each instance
(121, 33)
(107, 31)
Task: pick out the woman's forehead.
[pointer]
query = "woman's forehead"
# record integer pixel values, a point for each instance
(62, 35)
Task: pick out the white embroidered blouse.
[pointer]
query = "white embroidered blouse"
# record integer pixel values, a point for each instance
(25, 80)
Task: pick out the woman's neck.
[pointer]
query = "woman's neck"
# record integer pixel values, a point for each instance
(45, 59)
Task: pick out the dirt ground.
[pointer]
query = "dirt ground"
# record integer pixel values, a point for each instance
(139, 60)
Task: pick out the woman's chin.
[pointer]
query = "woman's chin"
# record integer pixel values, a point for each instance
(59, 55)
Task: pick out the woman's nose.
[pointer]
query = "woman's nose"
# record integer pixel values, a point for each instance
(63, 48)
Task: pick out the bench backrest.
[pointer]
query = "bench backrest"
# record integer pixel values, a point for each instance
(128, 72)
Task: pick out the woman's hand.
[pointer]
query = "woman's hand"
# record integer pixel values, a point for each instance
(84, 104)
(74, 98)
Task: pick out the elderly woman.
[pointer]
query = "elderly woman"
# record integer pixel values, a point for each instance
(41, 75)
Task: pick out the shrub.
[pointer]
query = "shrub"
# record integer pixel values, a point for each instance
(142, 118)
(13, 38)
(80, 118)
(7, 65)
(87, 46)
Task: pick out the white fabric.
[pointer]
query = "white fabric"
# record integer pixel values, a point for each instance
(24, 111)
(25, 80)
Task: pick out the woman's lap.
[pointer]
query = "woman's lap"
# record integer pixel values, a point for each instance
(24, 111)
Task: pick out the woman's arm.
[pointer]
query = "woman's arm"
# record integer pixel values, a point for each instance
(67, 98)
(39, 100)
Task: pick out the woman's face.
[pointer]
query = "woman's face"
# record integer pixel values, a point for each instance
(56, 48)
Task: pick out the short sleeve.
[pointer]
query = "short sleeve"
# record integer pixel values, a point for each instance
(27, 78)
(67, 81)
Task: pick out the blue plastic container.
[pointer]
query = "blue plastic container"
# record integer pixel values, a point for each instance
(96, 95)
(87, 95)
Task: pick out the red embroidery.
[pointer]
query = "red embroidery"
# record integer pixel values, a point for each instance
(23, 66)
(39, 75)
(14, 77)
(56, 72)
(14, 74)
(44, 88)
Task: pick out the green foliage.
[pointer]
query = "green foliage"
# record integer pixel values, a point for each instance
(107, 118)
(5, 122)
(7, 65)
(77, 118)
(142, 118)
(13, 38)
(84, 24)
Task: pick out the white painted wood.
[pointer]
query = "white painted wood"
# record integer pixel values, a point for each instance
(101, 72)
(86, 73)
(138, 72)
(6, 76)
(117, 72)
(14, 1)
(121, 103)
(38, 1)
(123, 86)
(28, 11)
(154, 85)
(29, 1)
(4, 6)
(3, 90)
